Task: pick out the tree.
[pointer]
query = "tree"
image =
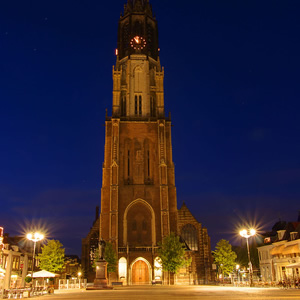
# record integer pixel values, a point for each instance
(110, 257)
(242, 253)
(224, 257)
(95, 258)
(172, 254)
(52, 256)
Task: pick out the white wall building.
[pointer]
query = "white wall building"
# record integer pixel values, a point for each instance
(15, 263)
(280, 260)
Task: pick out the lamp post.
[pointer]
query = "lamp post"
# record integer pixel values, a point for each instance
(79, 277)
(247, 234)
(34, 237)
(237, 267)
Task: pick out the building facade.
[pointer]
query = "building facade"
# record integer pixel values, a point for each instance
(196, 238)
(15, 262)
(138, 196)
(279, 258)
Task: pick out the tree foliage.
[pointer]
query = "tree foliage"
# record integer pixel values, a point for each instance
(110, 257)
(52, 256)
(224, 257)
(172, 254)
(95, 256)
(242, 253)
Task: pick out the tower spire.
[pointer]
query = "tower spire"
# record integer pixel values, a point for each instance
(138, 21)
(138, 6)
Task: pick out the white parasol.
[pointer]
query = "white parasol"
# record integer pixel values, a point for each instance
(43, 274)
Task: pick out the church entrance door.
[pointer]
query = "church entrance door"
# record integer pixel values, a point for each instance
(140, 273)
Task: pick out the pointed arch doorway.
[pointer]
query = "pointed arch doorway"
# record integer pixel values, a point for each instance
(140, 272)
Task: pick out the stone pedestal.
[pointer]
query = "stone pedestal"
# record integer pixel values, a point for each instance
(100, 282)
(101, 274)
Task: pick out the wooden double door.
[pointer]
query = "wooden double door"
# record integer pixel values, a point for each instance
(140, 273)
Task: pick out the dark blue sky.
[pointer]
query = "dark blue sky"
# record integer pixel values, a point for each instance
(231, 84)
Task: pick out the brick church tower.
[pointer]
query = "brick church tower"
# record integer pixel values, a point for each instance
(138, 196)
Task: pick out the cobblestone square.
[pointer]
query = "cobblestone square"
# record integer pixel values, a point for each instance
(178, 292)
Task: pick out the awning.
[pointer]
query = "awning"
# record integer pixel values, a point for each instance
(291, 249)
(295, 265)
(277, 250)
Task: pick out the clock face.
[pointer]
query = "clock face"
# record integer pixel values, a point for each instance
(138, 43)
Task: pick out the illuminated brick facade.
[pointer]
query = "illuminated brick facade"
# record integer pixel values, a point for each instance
(138, 196)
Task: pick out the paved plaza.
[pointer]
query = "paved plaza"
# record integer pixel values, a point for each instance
(178, 292)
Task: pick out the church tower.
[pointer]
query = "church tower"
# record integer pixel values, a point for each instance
(138, 196)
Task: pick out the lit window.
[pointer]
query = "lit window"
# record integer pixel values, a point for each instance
(157, 269)
(122, 268)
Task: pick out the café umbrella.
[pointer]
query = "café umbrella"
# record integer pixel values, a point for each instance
(43, 274)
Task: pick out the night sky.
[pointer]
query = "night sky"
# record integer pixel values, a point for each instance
(231, 83)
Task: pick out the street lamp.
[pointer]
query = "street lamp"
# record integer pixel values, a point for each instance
(237, 267)
(79, 277)
(35, 237)
(247, 234)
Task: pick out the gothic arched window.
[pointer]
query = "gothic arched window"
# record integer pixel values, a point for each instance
(190, 236)
(134, 225)
(140, 105)
(144, 225)
(139, 231)
(122, 268)
(137, 28)
(94, 240)
(152, 106)
(123, 105)
(135, 105)
(125, 36)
